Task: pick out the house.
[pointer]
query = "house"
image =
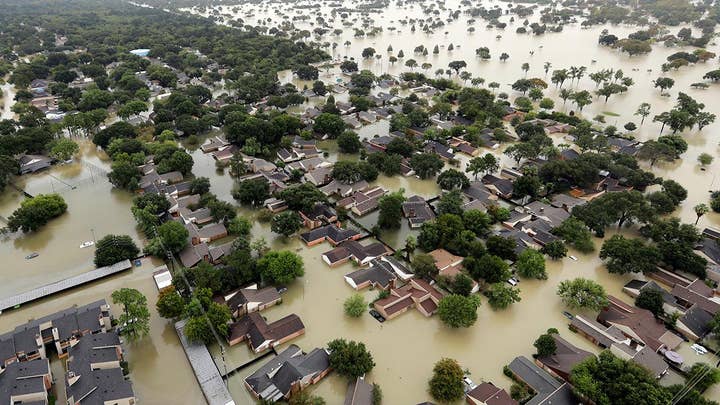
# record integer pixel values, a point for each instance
(319, 176)
(638, 324)
(377, 276)
(416, 293)
(94, 374)
(613, 338)
(251, 299)
(26, 383)
(194, 254)
(319, 215)
(177, 203)
(498, 186)
(565, 201)
(694, 324)
(309, 164)
(634, 287)
(331, 233)
(225, 153)
(549, 391)
(353, 250)
(696, 293)
(162, 277)
(445, 152)
(362, 202)
(213, 144)
(359, 393)
(488, 394)
(566, 357)
(711, 233)
(417, 211)
(479, 192)
(392, 264)
(261, 335)
(274, 205)
(207, 233)
(287, 373)
(450, 266)
(33, 163)
(343, 190)
(464, 146)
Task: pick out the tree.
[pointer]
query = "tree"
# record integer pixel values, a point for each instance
(652, 300)
(487, 163)
(624, 255)
(329, 124)
(643, 111)
(63, 149)
(173, 235)
(458, 311)
(349, 142)
(446, 384)
(545, 345)
(391, 210)
(426, 165)
(700, 210)
(555, 249)
(582, 98)
(502, 247)
(281, 267)
(349, 172)
(705, 159)
(488, 267)
(304, 398)
(355, 306)
(526, 186)
(664, 83)
(286, 223)
(252, 192)
(705, 376)
(411, 63)
(501, 295)
(170, 304)
(368, 53)
(478, 222)
(456, 65)
(607, 379)
(531, 264)
(452, 179)
(36, 211)
(582, 293)
(135, 318)
(423, 266)
(451, 203)
(302, 197)
(114, 248)
(307, 72)
(350, 359)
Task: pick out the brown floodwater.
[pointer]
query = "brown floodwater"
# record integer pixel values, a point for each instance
(404, 348)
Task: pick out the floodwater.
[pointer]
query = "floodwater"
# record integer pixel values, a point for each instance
(404, 348)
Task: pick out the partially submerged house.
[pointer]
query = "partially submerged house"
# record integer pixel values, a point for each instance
(331, 233)
(549, 391)
(26, 383)
(566, 357)
(487, 393)
(249, 299)
(416, 293)
(376, 276)
(450, 266)
(417, 211)
(261, 335)
(359, 393)
(353, 250)
(287, 373)
(362, 202)
(33, 163)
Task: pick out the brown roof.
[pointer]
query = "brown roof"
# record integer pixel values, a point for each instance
(491, 395)
(398, 306)
(443, 258)
(565, 358)
(640, 321)
(429, 306)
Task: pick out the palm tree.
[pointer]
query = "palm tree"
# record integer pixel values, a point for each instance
(525, 67)
(547, 67)
(700, 210)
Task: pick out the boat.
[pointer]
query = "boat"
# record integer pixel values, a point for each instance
(568, 315)
(32, 255)
(87, 243)
(573, 257)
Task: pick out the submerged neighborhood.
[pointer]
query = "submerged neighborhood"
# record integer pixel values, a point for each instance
(299, 211)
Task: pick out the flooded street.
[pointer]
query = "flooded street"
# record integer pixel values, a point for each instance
(405, 348)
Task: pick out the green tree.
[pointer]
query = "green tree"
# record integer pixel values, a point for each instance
(451, 203)
(623, 255)
(350, 359)
(355, 306)
(700, 210)
(531, 264)
(488, 267)
(452, 179)
(502, 247)
(170, 304)
(483, 164)
(174, 236)
(36, 211)
(390, 216)
(426, 165)
(582, 293)
(423, 266)
(458, 311)
(329, 124)
(63, 149)
(349, 142)
(286, 223)
(135, 318)
(281, 267)
(545, 345)
(302, 197)
(114, 248)
(555, 249)
(446, 384)
(501, 295)
(652, 300)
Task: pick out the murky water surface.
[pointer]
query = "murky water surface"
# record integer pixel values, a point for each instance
(404, 348)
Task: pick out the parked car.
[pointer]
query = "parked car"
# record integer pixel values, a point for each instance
(375, 314)
(513, 281)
